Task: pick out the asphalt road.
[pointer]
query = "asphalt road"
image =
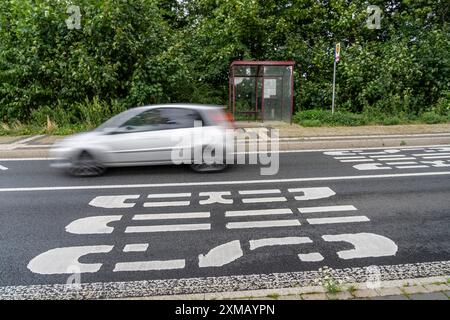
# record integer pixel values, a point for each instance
(346, 210)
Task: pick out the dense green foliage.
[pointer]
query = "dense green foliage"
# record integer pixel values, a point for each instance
(130, 53)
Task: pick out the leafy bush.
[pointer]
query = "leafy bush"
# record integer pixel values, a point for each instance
(390, 121)
(325, 117)
(431, 117)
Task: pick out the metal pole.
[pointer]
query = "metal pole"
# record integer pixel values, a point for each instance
(334, 85)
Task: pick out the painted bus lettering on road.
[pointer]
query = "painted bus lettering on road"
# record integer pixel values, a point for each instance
(405, 158)
(365, 245)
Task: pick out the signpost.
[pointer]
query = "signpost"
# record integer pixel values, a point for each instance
(337, 56)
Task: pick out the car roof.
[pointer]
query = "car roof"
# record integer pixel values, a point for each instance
(180, 105)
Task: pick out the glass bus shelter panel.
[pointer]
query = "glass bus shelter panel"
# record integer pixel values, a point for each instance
(246, 94)
(273, 88)
(286, 108)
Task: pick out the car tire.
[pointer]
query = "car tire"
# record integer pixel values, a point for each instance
(204, 167)
(85, 165)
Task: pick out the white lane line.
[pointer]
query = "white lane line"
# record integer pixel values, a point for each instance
(400, 163)
(372, 153)
(260, 243)
(168, 195)
(234, 182)
(136, 247)
(358, 160)
(327, 209)
(166, 204)
(348, 158)
(437, 157)
(412, 167)
(149, 265)
(338, 220)
(268, 199)
(168, 216)
(168, 228)
(3, 168)
(265, 191)
(397, 159)
(388, 156)
(262, 224)
(259, 212)
(431, 154)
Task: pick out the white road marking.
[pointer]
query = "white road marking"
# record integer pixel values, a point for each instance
(397, 159)
(310, 257)
(262, 224)
(348, 158)
(136, 247)
(259, 212)
(215, 197)
(437, 157)
(437, 164)
(168, 195)
(312, 193)
(431, 154)
(92, 225)
(234, 182)
(3, 168)
(358, 160)
(366, 245)
(327, 209)
(221, 255)
(400, 163)
(166, 204)
(168, 228)
(348, 219)
(168, 216)
(149, 265)
(265, 191)
(59, 260)
(412, 167)
(388, 156)
(371, 166)
(112, 202)
(342, 153)
(268, 199)
(255, 244)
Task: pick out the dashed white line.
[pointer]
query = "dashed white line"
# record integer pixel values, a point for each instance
(412, 167)
(358, 160)
(268, 199)
(437, 157)
(168, 228)
(400, 163)
(398, 159)
(3, 168)
(326, 209)
(266, 191)
(338, 220)
(259, 212)
(150, 265)
(262, 224)
(168, 216)
(136, 247)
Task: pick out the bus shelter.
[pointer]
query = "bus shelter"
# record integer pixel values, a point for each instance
(262, 90)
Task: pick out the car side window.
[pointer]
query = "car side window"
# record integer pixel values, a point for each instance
(181, 117)
(146, 121)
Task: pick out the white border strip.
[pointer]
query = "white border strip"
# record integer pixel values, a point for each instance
(218, 183)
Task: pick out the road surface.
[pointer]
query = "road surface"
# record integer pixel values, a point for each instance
(166, 230)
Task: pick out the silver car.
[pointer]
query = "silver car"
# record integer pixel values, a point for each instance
(150, 135)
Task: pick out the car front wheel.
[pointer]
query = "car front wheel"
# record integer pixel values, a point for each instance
(86, 165)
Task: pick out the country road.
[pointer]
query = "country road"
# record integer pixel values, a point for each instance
(181, 231)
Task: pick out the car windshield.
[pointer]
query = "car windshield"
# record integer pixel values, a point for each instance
(117, 120)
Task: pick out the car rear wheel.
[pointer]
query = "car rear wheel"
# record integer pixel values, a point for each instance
(209, 167)
(86, 165)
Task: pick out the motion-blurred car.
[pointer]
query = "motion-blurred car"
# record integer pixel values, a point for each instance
(150, 135)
